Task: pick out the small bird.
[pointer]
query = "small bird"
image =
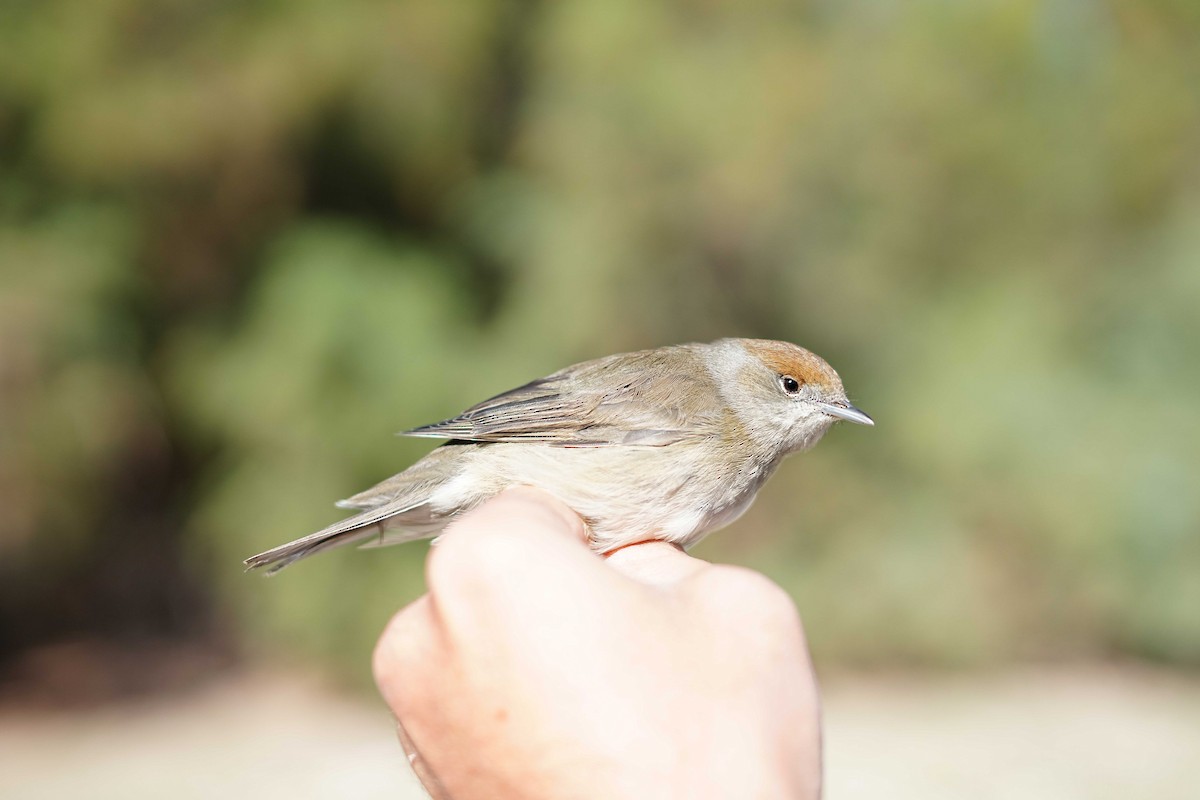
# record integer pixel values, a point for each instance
(666, 444)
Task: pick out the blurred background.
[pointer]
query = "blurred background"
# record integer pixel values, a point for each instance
(242, 243)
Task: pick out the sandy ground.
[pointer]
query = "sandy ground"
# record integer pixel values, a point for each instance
(1035, 735)
(1060, 733)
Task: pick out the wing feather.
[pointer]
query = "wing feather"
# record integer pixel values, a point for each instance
(625, 400)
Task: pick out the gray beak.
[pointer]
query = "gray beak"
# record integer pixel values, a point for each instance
(847, 412)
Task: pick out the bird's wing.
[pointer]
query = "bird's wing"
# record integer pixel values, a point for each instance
(652, 398)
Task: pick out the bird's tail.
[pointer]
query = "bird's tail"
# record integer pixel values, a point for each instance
(391, 523)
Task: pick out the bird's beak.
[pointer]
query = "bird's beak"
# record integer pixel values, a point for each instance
(847, 412)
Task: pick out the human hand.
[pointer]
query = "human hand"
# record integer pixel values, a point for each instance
(534, 669)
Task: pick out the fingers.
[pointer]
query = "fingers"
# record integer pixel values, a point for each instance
(407, 650)
(522, 555)
(522, 511)
(425, 775)
(406, 657)
(505, 534)
(517, 529)
(482, 542)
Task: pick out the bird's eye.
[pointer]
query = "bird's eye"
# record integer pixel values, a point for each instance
(789, 384)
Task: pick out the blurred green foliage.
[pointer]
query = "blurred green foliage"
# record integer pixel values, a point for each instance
(243, 242)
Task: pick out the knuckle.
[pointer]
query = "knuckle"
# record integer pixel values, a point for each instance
(445, 560)
(401, 649)
(538, 511)
(507, 535)
(477, 560)
(752, 593)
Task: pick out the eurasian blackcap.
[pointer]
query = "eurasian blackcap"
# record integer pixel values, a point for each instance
(659, 444)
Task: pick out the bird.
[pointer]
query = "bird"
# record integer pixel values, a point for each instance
(667, 444)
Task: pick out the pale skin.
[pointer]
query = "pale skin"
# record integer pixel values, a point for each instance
(535, 669)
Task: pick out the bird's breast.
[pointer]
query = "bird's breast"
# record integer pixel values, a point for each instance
(625, 494)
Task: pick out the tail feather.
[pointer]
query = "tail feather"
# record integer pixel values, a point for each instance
(364, 526)
(393, 511)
